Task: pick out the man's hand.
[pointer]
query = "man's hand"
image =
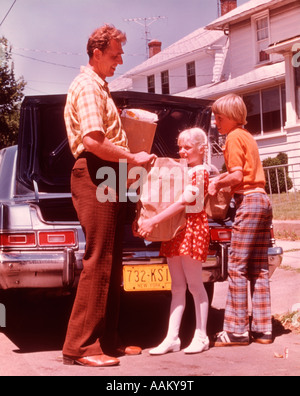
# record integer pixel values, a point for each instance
(143, 158)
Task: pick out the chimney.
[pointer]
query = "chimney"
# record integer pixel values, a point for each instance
(227, 6)
(154, 47)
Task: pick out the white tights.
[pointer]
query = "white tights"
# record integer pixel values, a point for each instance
(187, 272)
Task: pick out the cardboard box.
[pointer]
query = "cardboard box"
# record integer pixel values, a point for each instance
(140, 134)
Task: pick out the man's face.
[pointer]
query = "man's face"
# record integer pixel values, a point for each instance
(106, 62)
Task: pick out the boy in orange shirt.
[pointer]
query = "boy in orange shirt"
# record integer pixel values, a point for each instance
(248, 258)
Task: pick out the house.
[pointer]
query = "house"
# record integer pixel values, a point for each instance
(174, 69)
(264, 39)
(252, 50)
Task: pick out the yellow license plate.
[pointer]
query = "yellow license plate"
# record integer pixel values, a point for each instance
(148, 277)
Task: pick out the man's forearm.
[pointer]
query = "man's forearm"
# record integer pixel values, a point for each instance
(97, 144)
(103, 148)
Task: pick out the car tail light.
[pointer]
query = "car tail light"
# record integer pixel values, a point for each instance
(20, 240)
(56, 238)
(220, 235)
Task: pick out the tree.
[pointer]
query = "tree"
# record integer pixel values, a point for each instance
(11, 95)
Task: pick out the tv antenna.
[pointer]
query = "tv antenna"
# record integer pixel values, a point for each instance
(145, 22)
(218, 8)
(6, 15)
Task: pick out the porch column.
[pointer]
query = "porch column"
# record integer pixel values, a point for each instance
(291, 107)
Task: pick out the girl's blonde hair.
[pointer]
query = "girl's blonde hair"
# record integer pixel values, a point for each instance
(231, 106)
(195, 136)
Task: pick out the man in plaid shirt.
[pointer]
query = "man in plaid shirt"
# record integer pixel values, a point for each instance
(97, 140)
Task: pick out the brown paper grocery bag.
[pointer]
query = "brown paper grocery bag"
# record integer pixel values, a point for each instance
(217, 206)
(140, 134)
(164, 185)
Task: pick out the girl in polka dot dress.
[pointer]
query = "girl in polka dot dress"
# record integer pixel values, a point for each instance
(188, 250)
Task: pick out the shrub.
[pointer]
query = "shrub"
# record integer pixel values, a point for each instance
(284, 183)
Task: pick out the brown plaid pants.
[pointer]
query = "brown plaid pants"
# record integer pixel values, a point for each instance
(101, 274)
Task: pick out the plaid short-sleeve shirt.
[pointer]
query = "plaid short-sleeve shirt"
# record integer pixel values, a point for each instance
(90, 108)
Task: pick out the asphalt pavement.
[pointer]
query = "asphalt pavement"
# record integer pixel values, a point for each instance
(31, 342)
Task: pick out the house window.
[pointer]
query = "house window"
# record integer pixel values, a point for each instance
(165, 85)
(266, 110)
(262, 38)
(191, 74)
(254, 124)
(151, 83)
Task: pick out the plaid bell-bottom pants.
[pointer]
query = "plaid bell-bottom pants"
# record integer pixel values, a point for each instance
(248, 261)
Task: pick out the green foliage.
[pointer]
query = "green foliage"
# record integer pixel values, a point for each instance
(285, 183)
(11, 94)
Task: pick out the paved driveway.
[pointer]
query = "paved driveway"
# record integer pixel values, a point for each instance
(31, 343)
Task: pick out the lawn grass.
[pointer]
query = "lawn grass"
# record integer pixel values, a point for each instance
(286, 206)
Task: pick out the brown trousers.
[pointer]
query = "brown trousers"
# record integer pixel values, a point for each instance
(100, 279)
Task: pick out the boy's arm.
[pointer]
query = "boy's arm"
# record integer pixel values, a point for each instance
(225, 180)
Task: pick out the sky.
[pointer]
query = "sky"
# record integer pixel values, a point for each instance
(49, 37)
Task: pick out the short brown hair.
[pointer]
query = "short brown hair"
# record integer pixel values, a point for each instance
(231, 106)
(102, 37)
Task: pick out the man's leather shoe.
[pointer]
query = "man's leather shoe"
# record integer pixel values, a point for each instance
(92, 361)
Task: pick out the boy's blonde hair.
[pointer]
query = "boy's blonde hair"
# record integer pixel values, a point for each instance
(231, 106)
(195, 136)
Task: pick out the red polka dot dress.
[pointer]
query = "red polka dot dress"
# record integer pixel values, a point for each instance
(194, 240)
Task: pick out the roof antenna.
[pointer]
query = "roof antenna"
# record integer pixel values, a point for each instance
(145, 22)
(6, 15)
(219, 8)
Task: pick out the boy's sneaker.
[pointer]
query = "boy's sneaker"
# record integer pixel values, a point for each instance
(230, 339)
(262, 338)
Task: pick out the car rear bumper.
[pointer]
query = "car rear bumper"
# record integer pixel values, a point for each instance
(57, 269)
(275, 255)
(61, 269)
(142, 273)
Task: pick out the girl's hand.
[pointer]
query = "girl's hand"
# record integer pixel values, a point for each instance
(135, 229)
(146, 227)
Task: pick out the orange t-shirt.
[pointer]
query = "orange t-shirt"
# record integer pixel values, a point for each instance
(241, 153)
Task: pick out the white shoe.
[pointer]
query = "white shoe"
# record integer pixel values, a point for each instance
(166, 346)
(197, 345)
